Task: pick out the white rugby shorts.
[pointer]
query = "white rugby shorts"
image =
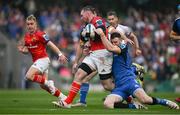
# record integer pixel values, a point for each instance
(42, 64)
(100, 60)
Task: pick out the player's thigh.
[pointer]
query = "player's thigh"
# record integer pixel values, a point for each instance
(31, 72)
(111, 99)
(39, 67)
(46, 74)
(89, 77)
(89, 61)
(80, 75)
(104, 62)
(108, 84)
(42, 64)
(142, 96)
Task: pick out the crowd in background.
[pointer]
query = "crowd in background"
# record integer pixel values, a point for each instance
(160, 56)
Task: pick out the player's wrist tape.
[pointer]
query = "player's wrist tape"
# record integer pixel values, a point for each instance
(60, 54)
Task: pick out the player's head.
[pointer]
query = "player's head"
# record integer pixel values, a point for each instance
(115, 38)
(87, 13)
(31, 23)
(112, 18)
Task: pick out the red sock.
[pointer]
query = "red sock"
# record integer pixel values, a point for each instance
(57, 92)
(129, 99)
(75, 87)
(39, 78)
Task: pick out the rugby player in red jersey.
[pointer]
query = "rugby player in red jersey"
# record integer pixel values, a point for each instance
(99, 59)
(35, 42)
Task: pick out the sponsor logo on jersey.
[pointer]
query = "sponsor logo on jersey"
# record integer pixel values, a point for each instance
(46, 37)
(99, 22)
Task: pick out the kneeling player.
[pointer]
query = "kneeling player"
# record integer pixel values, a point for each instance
(125, 83)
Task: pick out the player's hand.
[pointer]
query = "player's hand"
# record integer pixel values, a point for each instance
(138, 52)
(83, 33)
(63, 59)
(21, 48)
(74, 68)
(129, 41)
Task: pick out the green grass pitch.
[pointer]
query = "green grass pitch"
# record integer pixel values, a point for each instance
(39, 102)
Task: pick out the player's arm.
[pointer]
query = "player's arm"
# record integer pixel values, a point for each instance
(78, 56)
(136, 43)
(55, 49)
(109, 46)
(174, 36)
(78, 52)
(112, 30)
(22, 48)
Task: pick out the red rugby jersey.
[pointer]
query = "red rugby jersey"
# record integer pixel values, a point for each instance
(36, 44)
(97, 44)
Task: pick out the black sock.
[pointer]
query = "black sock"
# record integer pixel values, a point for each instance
(121, 105)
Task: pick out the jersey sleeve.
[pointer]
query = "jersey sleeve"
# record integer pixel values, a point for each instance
(127, 31)
(44, 37)
(99, 23)
(123, 46)
(174, 28)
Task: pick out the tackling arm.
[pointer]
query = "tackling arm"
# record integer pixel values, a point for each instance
(109, 46)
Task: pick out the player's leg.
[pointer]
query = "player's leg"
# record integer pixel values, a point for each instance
(84, 90)
(35, 72)
(50, 88)
(104, 65)
(141, 95)
(35, 75)
(114, 101)
(75, 86)
(83, 94)
(82, 71)
(107, 81)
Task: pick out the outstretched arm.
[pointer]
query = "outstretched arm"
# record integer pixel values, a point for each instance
(62, 58)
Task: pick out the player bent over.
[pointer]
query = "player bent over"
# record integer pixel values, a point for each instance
(35, 42)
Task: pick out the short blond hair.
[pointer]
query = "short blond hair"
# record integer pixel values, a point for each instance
(31, 17)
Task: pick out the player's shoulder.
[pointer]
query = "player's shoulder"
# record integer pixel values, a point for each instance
(97, 20)
(39, 33)
(26, 35)
(122, 26)
(178, 18)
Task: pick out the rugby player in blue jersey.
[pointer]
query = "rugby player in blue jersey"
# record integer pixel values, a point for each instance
(124, 78)
(175, 34)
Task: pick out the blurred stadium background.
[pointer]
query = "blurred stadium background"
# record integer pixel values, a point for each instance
(151, 20)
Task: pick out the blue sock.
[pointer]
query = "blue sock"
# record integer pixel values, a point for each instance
(132, 106)
(83, 92)
(159, 101)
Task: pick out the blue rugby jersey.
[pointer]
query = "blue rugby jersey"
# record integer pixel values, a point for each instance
(121, 66)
